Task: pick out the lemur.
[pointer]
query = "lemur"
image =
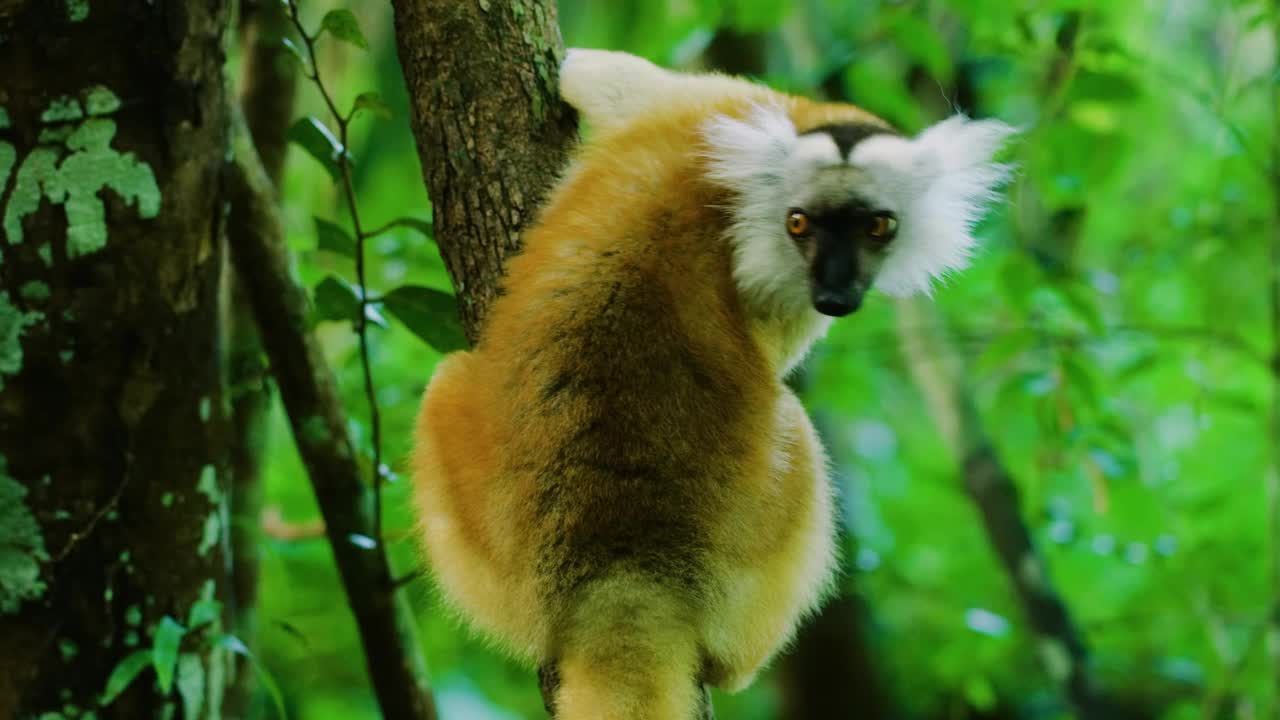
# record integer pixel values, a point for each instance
(615, 482)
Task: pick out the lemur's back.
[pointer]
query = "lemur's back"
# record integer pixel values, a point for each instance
(617, 372)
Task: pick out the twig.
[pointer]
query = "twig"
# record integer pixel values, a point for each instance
(312, 73)
(310, 396)
(82, 534)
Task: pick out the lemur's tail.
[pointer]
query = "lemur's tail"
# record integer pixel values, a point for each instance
(629, 652)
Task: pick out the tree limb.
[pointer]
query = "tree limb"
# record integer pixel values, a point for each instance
(267, 88)
(307, 387)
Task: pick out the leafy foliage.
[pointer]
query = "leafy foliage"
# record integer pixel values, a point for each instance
(342, 24)
(430, 314)
(1114, 332)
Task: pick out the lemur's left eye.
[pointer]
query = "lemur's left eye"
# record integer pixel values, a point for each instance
(797, 223)
(882, 226)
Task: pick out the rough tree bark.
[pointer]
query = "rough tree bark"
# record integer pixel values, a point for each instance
(112, 514)
(491, 129)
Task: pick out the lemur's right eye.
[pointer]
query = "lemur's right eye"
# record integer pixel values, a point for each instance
(797, 223)
(882, 227)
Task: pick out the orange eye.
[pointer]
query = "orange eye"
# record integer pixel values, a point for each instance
(882, 227)
(797, 223)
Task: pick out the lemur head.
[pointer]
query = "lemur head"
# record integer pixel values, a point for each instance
(830, 199)
(826, 199)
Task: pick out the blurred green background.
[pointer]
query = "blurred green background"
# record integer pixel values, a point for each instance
(1114, 334)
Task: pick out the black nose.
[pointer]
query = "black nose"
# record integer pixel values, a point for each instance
(836, 304)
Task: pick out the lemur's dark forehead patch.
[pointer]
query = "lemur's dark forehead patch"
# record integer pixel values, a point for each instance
(846, 135)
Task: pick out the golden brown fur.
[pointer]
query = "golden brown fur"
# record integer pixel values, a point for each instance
(615, 480)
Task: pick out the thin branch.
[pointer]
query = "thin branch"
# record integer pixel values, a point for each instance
(362, 315)
(316, 417)
(79, 536)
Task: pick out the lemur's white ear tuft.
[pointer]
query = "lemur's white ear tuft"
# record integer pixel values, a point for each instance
(947, 178)
(749, 155)
(608, 88)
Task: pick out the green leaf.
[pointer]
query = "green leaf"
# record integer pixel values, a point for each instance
(237, 646)
(331, 237)
(336, 300)
(372, 102)
(1005, 350)
(202, 612)
(1080, 379)
(164, 651)
(311, 135)
(1083, 303)
(430, 314)
(342, 24)
(1104, 86)
(124, 674)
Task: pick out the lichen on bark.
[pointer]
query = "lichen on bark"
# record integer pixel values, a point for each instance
(92, 166)
(13, 322)
(21, 545)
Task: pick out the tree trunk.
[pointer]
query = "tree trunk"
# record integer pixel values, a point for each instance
(112, 516)
(492, 132)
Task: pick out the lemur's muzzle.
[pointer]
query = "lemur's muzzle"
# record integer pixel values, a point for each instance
(835, 287)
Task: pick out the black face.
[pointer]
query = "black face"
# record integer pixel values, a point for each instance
(835, 242)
